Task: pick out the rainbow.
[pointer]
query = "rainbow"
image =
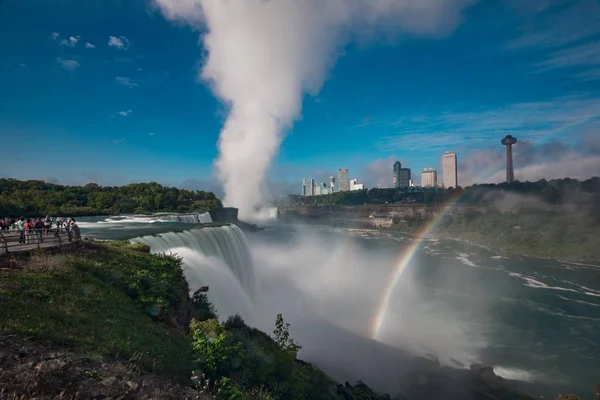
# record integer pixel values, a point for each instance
(402, 264)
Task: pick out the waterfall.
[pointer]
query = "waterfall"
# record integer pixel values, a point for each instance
(267, 213)
(213, 256)
(203, 218)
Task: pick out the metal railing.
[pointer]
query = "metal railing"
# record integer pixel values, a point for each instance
(15, 241)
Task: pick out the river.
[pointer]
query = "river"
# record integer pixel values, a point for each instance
(536, 321)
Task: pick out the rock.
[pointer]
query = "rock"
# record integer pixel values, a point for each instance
(491, 379)
(50, 366)
(110, 381)
(426, 365)
(132, 385)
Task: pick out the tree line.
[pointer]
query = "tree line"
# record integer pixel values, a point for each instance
(556, 191)
(35, 198)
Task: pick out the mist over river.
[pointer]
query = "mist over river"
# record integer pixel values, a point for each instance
(536, 321)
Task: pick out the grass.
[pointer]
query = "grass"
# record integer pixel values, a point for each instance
(99, 299)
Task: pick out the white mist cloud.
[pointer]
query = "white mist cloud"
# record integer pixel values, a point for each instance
(264, 55)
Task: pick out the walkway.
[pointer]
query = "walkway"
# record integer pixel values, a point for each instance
(9, 241)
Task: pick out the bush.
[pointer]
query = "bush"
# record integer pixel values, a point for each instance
(283, 339)
(246, 363)
(234, 322)
(203, 308)
(217, 354)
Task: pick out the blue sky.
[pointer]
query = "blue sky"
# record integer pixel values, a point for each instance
(107, 91)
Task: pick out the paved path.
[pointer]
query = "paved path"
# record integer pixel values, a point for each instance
(9, 241)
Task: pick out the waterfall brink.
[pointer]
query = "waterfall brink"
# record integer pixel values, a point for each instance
(203, 218)
(214, 256)
(267, 213)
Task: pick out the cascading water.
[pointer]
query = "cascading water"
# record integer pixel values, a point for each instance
(215, 256)
(267, 213)
(203, 218)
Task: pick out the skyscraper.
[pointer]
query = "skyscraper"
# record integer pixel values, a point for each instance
(429, 177)
(401, 176)
(331, 184)
(396, 178)
(405, 177)
(343, 180)
(449, 169)
(308, 187)
(508, 141)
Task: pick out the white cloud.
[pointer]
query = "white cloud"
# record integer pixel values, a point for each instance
(151, 133)
(23, 65)
(125, 113)
(118, 141)
(68, 64)
(532, 162)
(262, 56)
(89, 45)
(533, 120)
(378, 173)
(563, 34)
(55, 35)
(122, 80)
(70, 42)
(120, 42)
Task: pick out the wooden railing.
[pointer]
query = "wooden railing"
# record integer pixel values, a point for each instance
(15, 241)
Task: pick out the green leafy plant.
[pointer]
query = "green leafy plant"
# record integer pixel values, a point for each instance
(203, 308)
(216, 352)
(234, 322)
(283, 338)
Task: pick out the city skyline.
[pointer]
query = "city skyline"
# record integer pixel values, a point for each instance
(125, 89)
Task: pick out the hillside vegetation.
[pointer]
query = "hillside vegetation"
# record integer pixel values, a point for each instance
(110, 320)
(558, 218)
(35, 198)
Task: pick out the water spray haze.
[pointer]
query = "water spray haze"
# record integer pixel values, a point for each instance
(263, 56)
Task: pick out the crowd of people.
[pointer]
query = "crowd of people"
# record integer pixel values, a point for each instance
(33, 230)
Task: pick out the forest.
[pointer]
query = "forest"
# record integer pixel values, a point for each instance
(35, 198)
(557, 191)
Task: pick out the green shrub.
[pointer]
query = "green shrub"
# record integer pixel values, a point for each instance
(283, 339)
(203, 308)
(217, 354)
(234, 322)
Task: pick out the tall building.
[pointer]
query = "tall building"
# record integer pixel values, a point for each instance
(402, 176)
(429, 177)
(449, 169)
(320, 189)
(405, 177)
(308, 187)
(396, 178)
(331, 184)
(343, 180)
(508, 141)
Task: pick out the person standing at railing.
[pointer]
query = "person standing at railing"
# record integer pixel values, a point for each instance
(39, 229)
(13, 225)
(28, 229)
(75, 229)
(68, 230)
(47, 224)
(21, 226)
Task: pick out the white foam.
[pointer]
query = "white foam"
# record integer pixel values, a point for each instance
(533, 283)
(463, 257)
(516, 374)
